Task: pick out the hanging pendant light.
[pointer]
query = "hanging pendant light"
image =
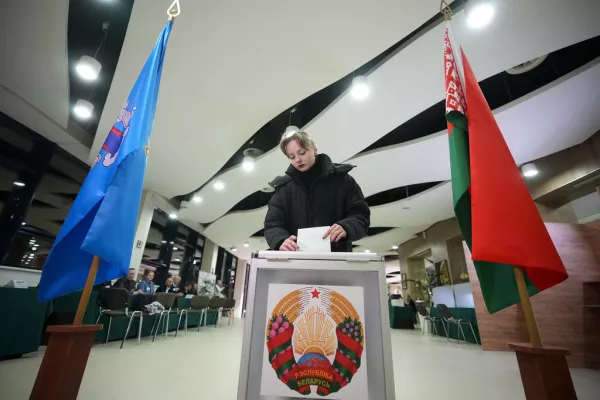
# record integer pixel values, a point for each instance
(83, 109)
(88, 68)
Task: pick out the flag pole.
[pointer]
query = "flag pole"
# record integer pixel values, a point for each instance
(530, 321)
(87, 291)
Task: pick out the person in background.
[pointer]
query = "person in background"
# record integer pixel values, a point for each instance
(167, 288)
(176, 284)
(127, 282)
(187, 289)
(411, 303)
(146, 286)
(314, 192)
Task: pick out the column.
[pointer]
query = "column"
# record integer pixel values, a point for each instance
(187, 264)
(19, 200)
(209, 257)
(166, 251)
(143, 227)
(240, 286)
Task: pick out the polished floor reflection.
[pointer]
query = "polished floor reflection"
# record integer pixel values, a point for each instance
(205, 365)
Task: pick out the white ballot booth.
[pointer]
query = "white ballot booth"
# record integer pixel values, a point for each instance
(317, 326)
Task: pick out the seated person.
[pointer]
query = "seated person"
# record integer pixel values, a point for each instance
(176, 283)
(167, 288)
(146, 286)
(126, 282)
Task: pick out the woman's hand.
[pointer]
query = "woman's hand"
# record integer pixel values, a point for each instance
(289, 244)
(335, 233)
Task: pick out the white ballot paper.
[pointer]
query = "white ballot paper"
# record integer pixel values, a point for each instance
(311, 240)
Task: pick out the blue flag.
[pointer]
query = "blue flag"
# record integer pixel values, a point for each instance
(102, 221)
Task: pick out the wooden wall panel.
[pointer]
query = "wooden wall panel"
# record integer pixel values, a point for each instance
(562, 318)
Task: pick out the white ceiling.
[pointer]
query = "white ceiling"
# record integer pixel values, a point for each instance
(34, 73)
(412, 81)
(572, 102)
(232, 67)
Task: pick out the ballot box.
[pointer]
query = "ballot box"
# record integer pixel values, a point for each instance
(317, 326)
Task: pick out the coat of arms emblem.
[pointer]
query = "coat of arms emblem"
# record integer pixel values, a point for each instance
(315, 340)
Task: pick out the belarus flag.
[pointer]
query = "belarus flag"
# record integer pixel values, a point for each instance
(494, 209)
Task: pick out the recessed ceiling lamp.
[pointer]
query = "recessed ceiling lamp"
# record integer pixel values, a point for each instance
(248, 164)
(291, 129)
(19, 183)
(479, 13)
(360, 88)
(218, 185)
(367, 251)
(83, 109)
(529, 170)
(250, 154)
(173, 215)
(23, 223)
(246, 244)
(395, 247)
(163, 241)
(176, 260)
(197, 199)
(233, 249)
(88, 68)
(174, 248)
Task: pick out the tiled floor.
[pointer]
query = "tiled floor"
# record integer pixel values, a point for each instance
(205, 365)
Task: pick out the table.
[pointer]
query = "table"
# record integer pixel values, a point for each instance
(462, 313)
(22, 321)
(402, 317)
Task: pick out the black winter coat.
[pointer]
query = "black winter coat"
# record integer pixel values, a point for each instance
(334, 197)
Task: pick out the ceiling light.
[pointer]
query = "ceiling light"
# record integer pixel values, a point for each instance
(367, 251)
(246, 244)
(197, 199)
(174, 248)
(529, 170)
(218, 185)
(360, 88)
(83, 109)
(88, 68)
(233, 249)
(23, 223)
(248, 164)
(176, 260)
(195, 261)
(18, 183)
(394, 247)
(163, 241)
(173, 215)
(171, 242)
(290, 130)
(479, 14)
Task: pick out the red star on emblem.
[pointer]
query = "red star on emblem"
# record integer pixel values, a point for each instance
(315, 294)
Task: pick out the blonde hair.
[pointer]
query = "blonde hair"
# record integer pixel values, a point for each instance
(303, 138)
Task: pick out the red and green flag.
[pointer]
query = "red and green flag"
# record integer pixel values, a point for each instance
(494, 209)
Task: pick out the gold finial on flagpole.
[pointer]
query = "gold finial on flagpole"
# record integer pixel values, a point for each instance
(174, 10)
(446, 10)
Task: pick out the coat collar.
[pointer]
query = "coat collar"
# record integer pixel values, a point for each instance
(324, 162)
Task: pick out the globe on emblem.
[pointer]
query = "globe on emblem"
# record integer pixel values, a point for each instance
(314, 360)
